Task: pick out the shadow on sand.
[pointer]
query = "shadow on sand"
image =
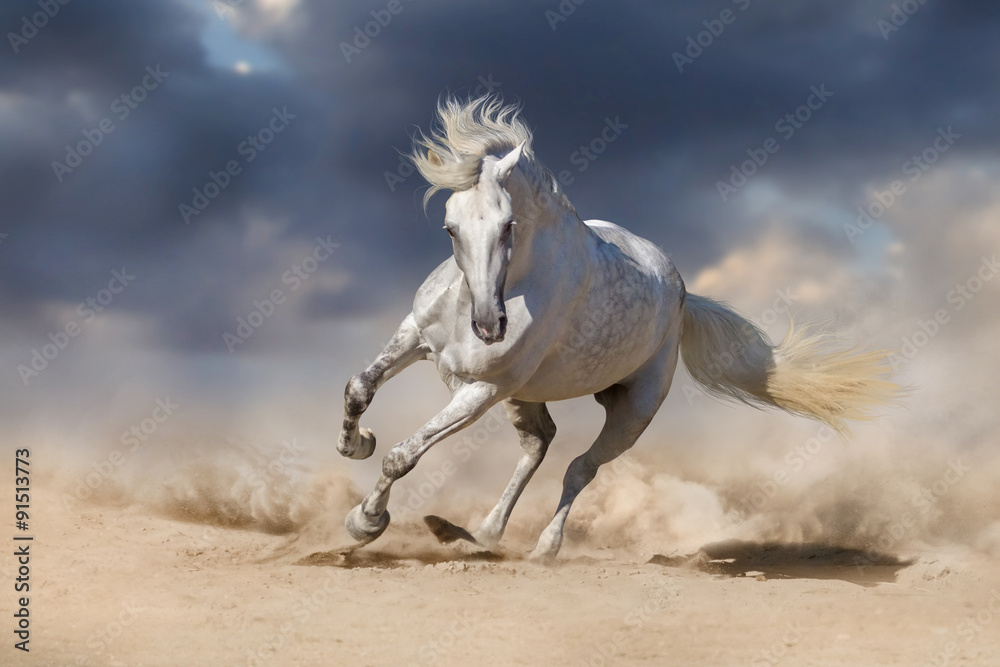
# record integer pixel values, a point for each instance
(733, 558)
(776, 560)
(360, 558)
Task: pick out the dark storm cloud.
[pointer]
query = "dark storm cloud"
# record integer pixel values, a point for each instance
(685, 129)
(326, 172)
(120, 205)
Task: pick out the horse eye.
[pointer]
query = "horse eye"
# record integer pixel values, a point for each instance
(450, 231)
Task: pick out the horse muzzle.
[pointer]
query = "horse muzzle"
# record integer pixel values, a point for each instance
(490, 329)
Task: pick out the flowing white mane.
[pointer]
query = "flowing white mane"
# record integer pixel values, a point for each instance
(451, 157)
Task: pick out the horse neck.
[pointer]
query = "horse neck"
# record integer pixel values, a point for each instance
(553, 234)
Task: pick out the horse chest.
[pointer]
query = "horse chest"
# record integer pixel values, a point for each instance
(445, 327)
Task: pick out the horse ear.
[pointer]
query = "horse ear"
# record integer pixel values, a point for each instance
(509, 161)
(434, 158)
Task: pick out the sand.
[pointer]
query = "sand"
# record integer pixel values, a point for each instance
(121, 584)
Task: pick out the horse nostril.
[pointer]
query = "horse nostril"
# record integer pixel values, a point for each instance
(475, 330)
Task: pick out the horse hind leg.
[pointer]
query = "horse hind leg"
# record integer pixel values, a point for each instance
(403, 349)
(630, 407)
(536, 430)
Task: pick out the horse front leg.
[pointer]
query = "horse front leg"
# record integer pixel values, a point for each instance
(536, 429)
(405, 348)
(468, 403)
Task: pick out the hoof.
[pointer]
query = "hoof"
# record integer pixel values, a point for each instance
(543, 556)
(487, 541)
(361, 528)
(446, 532)
(547, 547)
(360, 447)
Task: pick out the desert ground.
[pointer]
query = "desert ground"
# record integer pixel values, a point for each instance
(114, 583)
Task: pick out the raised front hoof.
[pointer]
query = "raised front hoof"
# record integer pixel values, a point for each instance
(362, 528)
(359, 447)
(446, 532)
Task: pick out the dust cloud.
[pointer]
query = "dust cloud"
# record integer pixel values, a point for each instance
(923, 476)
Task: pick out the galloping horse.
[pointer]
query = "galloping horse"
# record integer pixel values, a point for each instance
(539, 305)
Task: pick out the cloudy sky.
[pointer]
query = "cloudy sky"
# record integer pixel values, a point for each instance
(166, 166)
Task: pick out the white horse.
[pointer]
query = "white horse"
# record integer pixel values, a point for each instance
(538, 305)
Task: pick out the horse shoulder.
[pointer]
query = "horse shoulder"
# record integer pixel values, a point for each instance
(432, 298)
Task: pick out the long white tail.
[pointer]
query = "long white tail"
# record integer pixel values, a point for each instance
(731, 358)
